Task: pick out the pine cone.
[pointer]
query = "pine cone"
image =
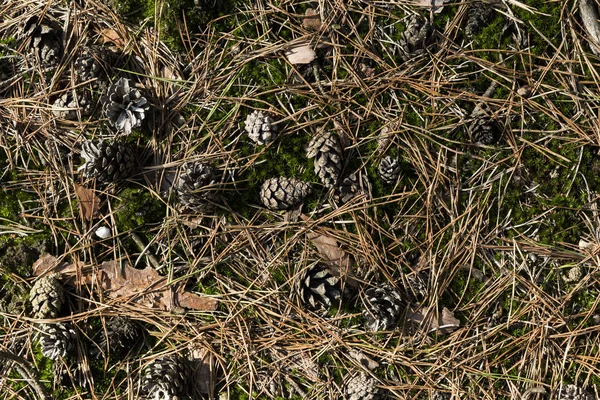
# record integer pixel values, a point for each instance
(70, 104)
(326, 149)
(56, 340)
(573, 392)
(362, 387)
(194, 187)
(351, 187)
(383, 308)
(416, 286)
(283, 193)
(107, 161)
(165, 377)
(70, 373)
(47, 297)
(484, 130)
(86, 67)
(260, 128)
(44, 40)
(318, 287)
(480, 13)
(389, 170)
(124, 106)
(419, 34)
(122, 334)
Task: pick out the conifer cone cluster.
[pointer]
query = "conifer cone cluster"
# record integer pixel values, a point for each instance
(107, 161)
(417, 37)
(47, 297)
(165, 378)
(124, 106)
(389, 170)
(318, 287)
(362, 387)
(283, 193)
(328, 154)
(383, 308)
(195, 187)
(260, 128)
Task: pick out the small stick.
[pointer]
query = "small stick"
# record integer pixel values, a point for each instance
(144, 250)
(25, 369)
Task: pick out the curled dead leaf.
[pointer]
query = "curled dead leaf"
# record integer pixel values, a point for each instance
(110, 35)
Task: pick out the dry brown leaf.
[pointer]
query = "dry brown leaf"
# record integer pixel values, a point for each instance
(143, 286)
(88, 201)
(110, 35)
(312, 20)
(445, 321)
(302, 53)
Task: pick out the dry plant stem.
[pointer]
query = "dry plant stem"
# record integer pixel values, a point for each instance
(589, 16)
(144, 250)
(26, 371)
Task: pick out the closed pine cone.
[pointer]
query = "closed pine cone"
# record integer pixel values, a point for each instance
(70, 105)
(165, 378)
(195, 187)
(122, 333)
(416, 38)
(56, 340)
(326, 149)
(260, 128)
(362, 387)
(574, 392)
(479, 15)
(318, 287)
(107, 161)
(383, 308)
(389, 170)
(283, 193)
(47, 297)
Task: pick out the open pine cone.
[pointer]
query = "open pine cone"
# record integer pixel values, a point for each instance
(283, 193)
(107, 161)
(44, 40)
(165, 378)
(574, 392)
(485, 130)
(383, 308)
(417, 37)
(72, 104)
(195, 187)
(318, 287)
(56, 340)
(479, 14)
(124, 106)
(389, 170)
(122, 334)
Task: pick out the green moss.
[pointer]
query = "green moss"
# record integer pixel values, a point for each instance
(137, 208)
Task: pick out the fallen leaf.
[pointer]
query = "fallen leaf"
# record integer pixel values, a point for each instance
(88, 201)
(445, 321)
(202, 371)
(302, 53)
(143, 286)
(437, 5)
(312, 20)
(110, 35)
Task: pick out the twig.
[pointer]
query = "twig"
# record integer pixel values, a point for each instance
(26, 370)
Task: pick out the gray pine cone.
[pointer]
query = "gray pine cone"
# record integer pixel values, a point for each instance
(44, 40)
(326, 149)
(121, 335)
(70, 104)
(383, 308)
(389, 170)
(47, 297)
(574, 392)
(484, 130)
(56, 340)
(124, 106)
(194, 187)
(86, 67)
(165, 378)
(70, 373)
(419, 34)
(362, 387)
(317, 287)
(260, 128)
(107, 161)
(283, 193)
(350, 187)
(480, 13)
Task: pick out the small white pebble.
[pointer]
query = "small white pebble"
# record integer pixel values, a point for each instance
(103, 232)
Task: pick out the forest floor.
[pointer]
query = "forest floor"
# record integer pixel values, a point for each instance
(489, 233)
